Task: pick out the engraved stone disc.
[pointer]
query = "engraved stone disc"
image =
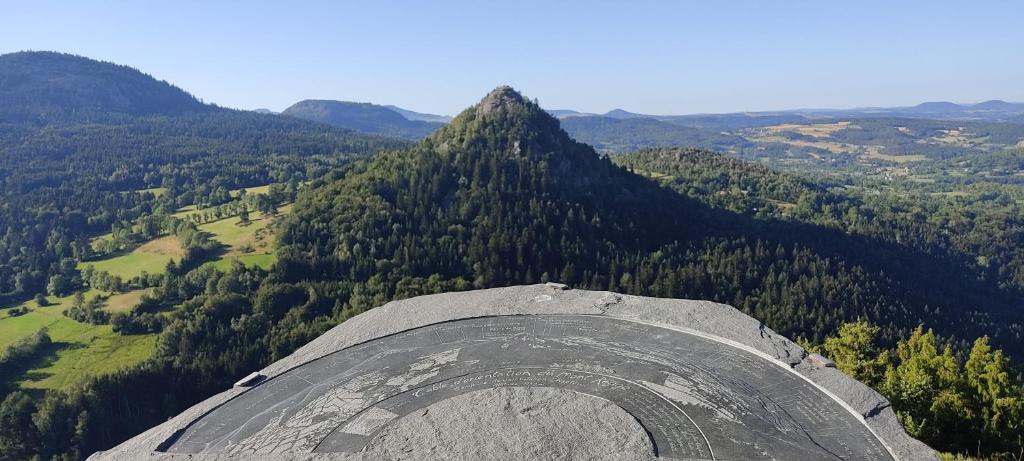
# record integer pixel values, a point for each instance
(687, 396)
(516, 422)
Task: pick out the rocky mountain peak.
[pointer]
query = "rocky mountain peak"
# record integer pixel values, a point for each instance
(502, 96)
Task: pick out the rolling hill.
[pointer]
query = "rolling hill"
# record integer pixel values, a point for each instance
(420, 116)
(50, 86)
(991, 111)
(362, 117)
(500, 196)
(503, 195)
(617, 135)
(81, 136)
(89, 149)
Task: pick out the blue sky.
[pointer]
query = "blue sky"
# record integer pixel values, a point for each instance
(645, 56)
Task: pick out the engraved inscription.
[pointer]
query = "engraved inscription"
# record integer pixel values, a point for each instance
(697, 398)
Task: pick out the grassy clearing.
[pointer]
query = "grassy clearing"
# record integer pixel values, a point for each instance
(258, 190)
(831, 146)
(263, 261)
(785, 206)
(821, 132)
(958, 137)
(252, 244)
(93, 351)
(863, 152)
(921, 179)
(876, 154)
(186, 211)
(79, 350)
(156, 191)
(817, 130)
(952, 193)
(151, 257)
(231, 232)
(15, 328)
(101, 238)
(656, 175)
(124, 302)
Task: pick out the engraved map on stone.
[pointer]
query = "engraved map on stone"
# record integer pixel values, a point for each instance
(696, 398)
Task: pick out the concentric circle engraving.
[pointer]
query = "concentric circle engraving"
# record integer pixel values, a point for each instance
(697, 398)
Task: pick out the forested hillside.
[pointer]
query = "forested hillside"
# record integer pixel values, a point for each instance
(363, 117)
(66, 176)
(617, 135)
(500, 196)
(98, 161)
(44, 86)
(503, 196)
(984, 233)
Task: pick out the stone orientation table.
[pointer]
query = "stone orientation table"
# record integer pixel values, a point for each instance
(542, 372)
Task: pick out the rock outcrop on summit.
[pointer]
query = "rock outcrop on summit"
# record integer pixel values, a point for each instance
(540, 371)
(502, 96)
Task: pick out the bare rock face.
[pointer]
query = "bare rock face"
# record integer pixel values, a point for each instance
(515, 423)
(540, 372)
(502, 96)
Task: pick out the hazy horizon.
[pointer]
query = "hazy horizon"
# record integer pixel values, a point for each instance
(658, 58)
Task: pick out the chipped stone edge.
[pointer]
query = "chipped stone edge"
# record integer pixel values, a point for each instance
(718, 322)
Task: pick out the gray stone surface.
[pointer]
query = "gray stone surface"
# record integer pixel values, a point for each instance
(703, 380)
(515, 423)
(694, 396)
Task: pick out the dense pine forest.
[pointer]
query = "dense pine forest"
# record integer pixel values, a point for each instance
(982, 233)
(90, 148)
(504, 196)
(500, 196)
(72, 167)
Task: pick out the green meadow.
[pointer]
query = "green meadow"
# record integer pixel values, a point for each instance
(257, 190)
(79, 350)
(251, 244)
(156, 191)
(151, 257)
(188, 210)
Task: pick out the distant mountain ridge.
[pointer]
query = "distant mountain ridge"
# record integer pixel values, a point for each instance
(611, 135)
(624, 114)
(564, 113)
(76, 134)
(83, 103)
(992, 110)
(363, 117)
(51, 86)
(995, 104)
(936, 107)
(420, 116)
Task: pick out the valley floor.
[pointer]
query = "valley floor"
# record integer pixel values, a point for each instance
(81, 350)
